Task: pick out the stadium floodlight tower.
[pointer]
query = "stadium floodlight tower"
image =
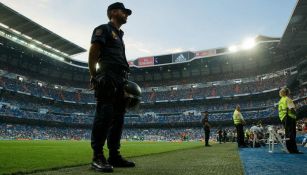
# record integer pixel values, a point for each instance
(247, 43)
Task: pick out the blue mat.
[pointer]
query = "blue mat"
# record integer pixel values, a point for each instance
(260, 161)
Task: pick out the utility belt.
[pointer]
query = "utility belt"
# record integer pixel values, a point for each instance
(115, 69)
(109, 83)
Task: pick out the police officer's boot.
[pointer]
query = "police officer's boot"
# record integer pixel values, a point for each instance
(116, 160)
(100, 164)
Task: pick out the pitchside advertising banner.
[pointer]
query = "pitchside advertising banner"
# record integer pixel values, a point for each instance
(172, 58)
(131, 63)
(164, 59)
(146, 61)
(180, 57)
(205, 53)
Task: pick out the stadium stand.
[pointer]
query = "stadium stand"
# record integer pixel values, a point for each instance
(45, 93)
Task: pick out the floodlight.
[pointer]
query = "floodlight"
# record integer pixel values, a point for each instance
(233, 48)
(248, 43)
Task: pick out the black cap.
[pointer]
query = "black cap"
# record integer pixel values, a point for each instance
(119, 5)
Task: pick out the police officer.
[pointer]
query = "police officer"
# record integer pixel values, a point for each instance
(220, 135)
(239, 122)
(287, 116)
(108, 50)
(224, 135)
(206, 126)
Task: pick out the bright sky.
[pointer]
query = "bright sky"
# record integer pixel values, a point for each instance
(162, 26)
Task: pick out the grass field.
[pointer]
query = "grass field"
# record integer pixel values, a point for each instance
(29, 156)
(219, 159)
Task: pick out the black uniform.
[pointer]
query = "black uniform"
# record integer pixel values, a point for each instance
(290, 132)
(220, 133)
(109, 93)
(205, 123)
(240, 135)
(224, 136)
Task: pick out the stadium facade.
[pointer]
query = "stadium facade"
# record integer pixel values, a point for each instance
(41, 86)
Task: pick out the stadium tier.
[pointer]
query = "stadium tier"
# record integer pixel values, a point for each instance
(22, 99)
(40, 83)
(22, 132)
(155, 94)
(26, 96)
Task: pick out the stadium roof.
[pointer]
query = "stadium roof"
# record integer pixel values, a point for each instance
(27, 27)
(296, 31)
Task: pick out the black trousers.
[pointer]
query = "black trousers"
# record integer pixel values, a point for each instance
(220, 138)
(240, 135)
(109, 116)
(207, 135)
(290, 132)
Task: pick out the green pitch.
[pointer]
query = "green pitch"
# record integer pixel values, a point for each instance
(26, 156)
(151, 157)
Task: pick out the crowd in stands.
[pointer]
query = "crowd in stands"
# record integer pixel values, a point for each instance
(72, 118)
(34, 104)
(301, 125)
(203, 106)
(270, 112)
(30, 108)
(215, 90)
(78, 96)
(16, 131)
(144, 119)
(216, 77)
(54, 92)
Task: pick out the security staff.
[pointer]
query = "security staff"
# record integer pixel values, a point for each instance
(220, 135)
(287, 116)
(108, 50)
(225, 135)
(239, 122)
(206, 126)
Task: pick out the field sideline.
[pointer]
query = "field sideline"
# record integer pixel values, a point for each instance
(30, 156)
